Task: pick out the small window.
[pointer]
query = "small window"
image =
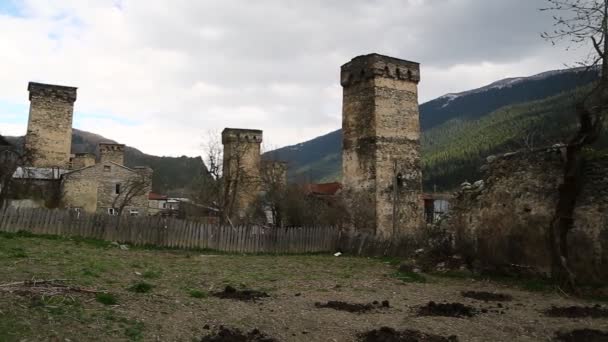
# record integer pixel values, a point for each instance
(117, 190)
(107, 168)
(133, 212)
(111, 211)
(164, 205)
(399, 179)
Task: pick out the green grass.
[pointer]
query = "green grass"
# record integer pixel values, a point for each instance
(106, 298)
(134, 331)
(178, 294)
(141, 287)
(17, 252)
(150, 274)
(409, 277)
(198, 294)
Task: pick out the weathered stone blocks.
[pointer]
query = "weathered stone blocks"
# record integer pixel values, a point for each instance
(381, 144)
(49, 131)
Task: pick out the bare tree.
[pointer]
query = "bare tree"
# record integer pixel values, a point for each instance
(126, 193)
(274, 189)
(579, 22)
(219, 189)
(11, 159)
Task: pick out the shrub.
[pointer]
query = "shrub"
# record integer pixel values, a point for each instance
(106, 298)
(198, 294)
(140, 287)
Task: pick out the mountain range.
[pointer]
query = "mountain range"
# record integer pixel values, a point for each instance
(459, 130)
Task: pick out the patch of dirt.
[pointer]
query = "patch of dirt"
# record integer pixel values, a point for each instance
(447, 310)
(353, 307)
(232, 293)
(236, 335)
(386, 334)
(577, 311)
(487, 296)
(582, 335)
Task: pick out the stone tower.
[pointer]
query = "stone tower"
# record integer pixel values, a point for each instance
(381, 167)
(112, 152)
(241, 167)
(49, 128)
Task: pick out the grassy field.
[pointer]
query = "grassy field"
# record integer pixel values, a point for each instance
(162, 295)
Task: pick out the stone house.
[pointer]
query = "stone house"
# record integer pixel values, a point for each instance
(108, 185)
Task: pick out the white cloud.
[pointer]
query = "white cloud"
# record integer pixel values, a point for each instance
(167, 72)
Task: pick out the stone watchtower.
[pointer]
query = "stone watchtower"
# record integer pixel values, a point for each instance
(381, 167)
(49, 128)
(241, 167)
(112, 152)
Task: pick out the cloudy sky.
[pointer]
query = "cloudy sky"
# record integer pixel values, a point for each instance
(160, 74)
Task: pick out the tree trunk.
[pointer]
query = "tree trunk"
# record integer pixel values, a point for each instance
(563, 220)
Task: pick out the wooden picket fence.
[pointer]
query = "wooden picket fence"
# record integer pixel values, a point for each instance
(170, 232)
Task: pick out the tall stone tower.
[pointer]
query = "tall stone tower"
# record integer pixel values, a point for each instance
(241, 167)
(49, 128)
(112, 152)
(381, 167)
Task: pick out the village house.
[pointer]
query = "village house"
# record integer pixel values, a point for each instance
(108, 186)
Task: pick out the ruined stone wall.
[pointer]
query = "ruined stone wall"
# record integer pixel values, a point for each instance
(381, 144)
(241, 166)
(502, 220)
(49, 131)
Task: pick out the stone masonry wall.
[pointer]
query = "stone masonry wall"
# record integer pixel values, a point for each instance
(502, 220)
(81, 160)
(111, 152)
(94, 188)
(381, 144)
(241, 166)
(49, 132)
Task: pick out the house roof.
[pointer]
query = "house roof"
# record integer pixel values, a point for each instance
(38, 173)
(156, 197)
(327, 189)
(97, 164)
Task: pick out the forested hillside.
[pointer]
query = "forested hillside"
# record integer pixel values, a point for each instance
(460, 130)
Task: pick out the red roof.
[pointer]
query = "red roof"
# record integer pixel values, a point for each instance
(328, 189)
(155, 196)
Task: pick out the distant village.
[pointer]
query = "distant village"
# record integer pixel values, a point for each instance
(500, 219)
(50, 176)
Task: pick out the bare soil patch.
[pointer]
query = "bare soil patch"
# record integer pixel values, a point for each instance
(582, 335)
(487, 296)
(447, 310)
(386, 334)
(353, 307)
(232, 293)
(577, 311)
(236, 335)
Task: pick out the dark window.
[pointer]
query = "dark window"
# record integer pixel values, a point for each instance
(107, 168)
(399, 180)
(117, 188)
